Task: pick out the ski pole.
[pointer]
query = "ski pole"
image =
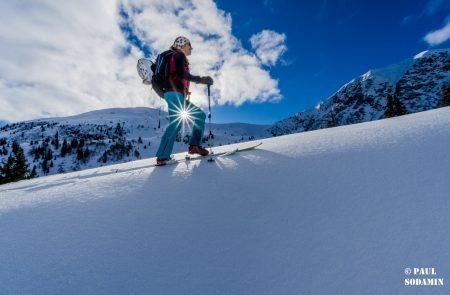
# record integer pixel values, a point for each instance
(209, 117)
(159, 117)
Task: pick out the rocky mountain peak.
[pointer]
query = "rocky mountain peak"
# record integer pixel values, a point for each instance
(417, 83)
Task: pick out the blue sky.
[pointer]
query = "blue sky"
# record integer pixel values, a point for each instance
(331, 42)
(270, 59)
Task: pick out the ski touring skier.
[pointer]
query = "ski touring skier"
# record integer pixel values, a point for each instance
(177, 97)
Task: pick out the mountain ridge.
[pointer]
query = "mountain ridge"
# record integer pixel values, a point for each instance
(417, 82)
(103, 137)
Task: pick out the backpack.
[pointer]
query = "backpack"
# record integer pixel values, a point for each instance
(156, 73)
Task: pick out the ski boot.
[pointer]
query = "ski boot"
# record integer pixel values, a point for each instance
(164, 162)
(196, 149)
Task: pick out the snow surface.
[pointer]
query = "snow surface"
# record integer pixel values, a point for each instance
(395, 72)
(335, 211)
(391, 74)
(427, 53)
(139, 127)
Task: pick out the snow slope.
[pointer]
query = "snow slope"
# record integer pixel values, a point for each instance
(138, 138)
(335, 211)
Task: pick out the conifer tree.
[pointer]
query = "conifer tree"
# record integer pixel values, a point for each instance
(394, 107)
(64, 148)
(103, 158)
(331, 120)
(398, 107)
(137, 154)
(16, 166)
(55, 140)
(69, 148)
(445, 100)
(45, 167)
(86, 154)
(80, 154)
(390, 111)
(49, 155)
(15, 147)
(74, 143)
(119, 130)
(21, 165)
(6, 171)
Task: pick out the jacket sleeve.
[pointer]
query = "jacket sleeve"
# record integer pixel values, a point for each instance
(180, 61)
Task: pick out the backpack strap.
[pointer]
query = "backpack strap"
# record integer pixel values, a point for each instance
(161, 65)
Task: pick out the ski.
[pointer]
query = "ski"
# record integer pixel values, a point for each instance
(214, 155)
(191, 158)
(237, 150)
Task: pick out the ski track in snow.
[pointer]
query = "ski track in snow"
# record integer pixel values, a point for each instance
(342, 211)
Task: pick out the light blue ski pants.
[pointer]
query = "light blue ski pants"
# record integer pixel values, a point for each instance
(176, 103)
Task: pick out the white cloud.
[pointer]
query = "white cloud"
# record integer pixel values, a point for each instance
(236, 79)
(439, 36)
(269, 46)
(238, 74)
(65, 59)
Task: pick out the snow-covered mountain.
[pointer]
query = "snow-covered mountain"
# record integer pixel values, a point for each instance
(345, 210)
(416, 82)
(119, 135)
(103, 137)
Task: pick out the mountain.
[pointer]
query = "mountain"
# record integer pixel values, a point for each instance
(417, 83)
(57, 145)
(120, 135)
(342, 210)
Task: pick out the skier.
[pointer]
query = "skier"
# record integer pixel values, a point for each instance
(175, 96)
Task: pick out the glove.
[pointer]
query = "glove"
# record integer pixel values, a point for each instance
(206, 80)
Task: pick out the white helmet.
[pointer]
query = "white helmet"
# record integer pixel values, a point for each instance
(180, 41)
